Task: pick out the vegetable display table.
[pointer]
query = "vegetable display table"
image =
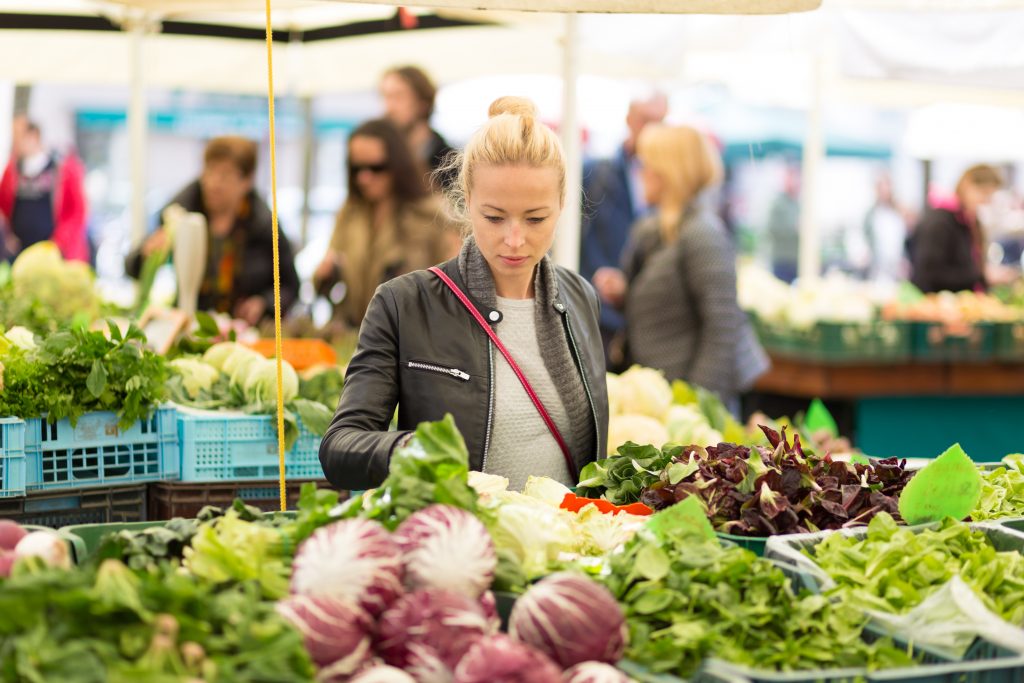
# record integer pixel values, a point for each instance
(914, 409)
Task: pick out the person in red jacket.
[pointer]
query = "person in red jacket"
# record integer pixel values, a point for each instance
(42, 196)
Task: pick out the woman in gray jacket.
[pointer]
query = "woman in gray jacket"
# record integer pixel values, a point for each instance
(678, 283)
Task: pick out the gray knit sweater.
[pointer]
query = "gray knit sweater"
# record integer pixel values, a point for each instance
(551, 340)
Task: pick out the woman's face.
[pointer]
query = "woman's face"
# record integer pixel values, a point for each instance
(224, 187)
(514, 211)
(401, 104)
(654, 184)
(368, 163)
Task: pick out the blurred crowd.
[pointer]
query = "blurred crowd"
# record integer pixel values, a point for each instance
(657, 243)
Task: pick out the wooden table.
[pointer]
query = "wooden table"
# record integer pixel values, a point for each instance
(809, 379)
(914, 409)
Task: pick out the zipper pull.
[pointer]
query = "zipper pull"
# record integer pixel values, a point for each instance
(458, 373)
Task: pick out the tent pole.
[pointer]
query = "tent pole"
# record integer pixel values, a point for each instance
(567, 241)
(809, 267)
(137, 129)
(308, 156)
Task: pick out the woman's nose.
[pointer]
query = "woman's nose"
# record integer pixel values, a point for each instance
(514, 235)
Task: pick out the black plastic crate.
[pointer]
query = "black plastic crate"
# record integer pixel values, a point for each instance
(92, 505)
(185, 499)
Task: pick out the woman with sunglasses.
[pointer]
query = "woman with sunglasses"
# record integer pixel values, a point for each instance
(389, 224)
(499, 337)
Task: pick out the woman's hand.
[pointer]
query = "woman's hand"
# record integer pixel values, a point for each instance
(251, 310)
(325, 272)
(611, 285)
(155, 242)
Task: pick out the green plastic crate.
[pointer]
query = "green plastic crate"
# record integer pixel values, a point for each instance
(1008, 341)
(755, 544)
(878, 341)
(85, 538)
(933, 342)
(781, 339)
(642, 675)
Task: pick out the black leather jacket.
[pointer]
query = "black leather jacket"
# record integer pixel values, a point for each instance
(420, 349)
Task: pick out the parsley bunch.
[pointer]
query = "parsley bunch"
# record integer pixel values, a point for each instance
(76, 371)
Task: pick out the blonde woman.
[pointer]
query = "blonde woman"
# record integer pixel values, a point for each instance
(678, 283)
(500, 337)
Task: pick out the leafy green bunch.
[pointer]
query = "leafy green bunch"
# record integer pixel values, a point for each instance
(76, 371)
(688, 599)
(893, 568)
(107, 623)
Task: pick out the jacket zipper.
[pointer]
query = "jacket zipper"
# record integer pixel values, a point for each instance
(454, 372)
(490, 404)
(586, 385)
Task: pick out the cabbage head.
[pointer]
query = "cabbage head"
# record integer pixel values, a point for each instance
(260, 385)
(21, 337)
(640, 429)
(196, 375)
(641, 391)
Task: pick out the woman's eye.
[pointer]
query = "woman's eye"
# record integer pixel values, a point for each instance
(492, 219)
(536, 220)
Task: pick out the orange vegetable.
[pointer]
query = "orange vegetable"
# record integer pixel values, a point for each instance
(574, 503)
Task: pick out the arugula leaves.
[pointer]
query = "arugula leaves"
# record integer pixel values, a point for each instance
(76, 371)
(687, 599)
(893, 568)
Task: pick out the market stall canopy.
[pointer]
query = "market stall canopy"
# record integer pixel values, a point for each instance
(633, 6)
(324, 47)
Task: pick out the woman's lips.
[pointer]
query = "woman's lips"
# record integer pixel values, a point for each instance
(513, 260)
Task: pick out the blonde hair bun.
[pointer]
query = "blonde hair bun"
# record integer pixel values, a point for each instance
(516, 106)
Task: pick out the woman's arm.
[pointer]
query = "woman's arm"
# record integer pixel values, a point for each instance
(356, 449)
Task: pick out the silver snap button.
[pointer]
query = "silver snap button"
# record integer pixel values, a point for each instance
(559, 307)
(494, 316)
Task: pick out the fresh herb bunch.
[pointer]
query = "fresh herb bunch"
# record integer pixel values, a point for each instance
(76, 371)
(894, 568)
(688, 599)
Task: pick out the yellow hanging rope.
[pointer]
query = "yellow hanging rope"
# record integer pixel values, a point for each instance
(277, 266)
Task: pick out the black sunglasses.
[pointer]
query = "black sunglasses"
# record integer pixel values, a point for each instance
(354, 169)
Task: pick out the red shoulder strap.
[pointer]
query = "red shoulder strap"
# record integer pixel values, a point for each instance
(512, 363)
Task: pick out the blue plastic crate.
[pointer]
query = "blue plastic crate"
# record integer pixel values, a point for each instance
(96, 451)
(218, 447)
(12, 457)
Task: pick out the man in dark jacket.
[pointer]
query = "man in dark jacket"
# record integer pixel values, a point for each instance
(613, 201)
(239, 277)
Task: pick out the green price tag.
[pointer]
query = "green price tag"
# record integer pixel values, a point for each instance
(687, 516)
(819, 419)
(949, 486)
